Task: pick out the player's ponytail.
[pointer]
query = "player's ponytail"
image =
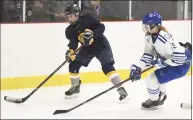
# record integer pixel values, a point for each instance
(162, 28)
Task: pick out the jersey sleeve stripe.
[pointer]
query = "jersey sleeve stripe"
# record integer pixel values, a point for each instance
(179, 57)
(177, 62)
(147, 61)
(143, 60)
(179, 53)
(163, 38)
(147, 58)
(148, 54)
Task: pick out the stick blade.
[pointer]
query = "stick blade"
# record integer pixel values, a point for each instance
(60, 111)
(13, 100)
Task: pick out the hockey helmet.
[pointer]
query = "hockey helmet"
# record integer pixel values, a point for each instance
(71, 10)
(151, 21)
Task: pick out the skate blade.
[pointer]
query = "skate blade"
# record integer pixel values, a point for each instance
(72, 96)
(151, 108)
(125, 100)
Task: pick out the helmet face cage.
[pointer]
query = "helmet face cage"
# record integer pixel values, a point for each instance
(149, 28)
(70, 11)
(67, 15)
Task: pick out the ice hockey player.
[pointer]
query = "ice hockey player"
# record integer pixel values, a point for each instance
(171, 58)
(89, 32)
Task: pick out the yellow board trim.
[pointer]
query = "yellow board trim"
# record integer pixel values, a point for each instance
(61, 79)
(74, 74)
(110, 73)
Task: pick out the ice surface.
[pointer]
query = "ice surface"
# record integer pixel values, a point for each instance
(46, 100)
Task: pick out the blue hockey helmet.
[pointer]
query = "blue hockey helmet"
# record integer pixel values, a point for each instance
(151, 21)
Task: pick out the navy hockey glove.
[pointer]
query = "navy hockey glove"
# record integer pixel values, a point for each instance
(135, 73)
(69, 55)
(88, 37)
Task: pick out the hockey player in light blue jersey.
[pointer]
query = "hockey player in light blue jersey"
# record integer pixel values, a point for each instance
(171, 58)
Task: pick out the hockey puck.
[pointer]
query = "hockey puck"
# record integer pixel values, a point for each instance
(185, 105)
(181, 105)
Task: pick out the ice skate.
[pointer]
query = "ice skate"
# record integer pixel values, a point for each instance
(163, 100)
(122, 92)
(73, 91)
(150, 104)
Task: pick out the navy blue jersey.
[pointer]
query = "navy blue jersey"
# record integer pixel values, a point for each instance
(87, 22)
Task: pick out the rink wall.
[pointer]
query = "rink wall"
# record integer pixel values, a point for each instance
(30, 52)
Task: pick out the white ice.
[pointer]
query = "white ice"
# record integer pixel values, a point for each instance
(46, 100)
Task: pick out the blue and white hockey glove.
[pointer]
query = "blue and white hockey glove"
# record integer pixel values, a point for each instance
(135, 73)
(188, 54)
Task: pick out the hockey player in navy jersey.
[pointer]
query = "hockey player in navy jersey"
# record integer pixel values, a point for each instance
(88, 31)
(171, 58)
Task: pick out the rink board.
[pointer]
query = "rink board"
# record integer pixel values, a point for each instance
(27, 59)
(62, 79)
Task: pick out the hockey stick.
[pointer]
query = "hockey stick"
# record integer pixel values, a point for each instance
(68, 110)
(21, 100)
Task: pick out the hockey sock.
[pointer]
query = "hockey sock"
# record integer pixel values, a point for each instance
(75, 79)
(153, 87)
(114, 77)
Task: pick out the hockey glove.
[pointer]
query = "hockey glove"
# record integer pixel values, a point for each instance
(135, 73)
(188, 54)
(88, 37)
(69, 55)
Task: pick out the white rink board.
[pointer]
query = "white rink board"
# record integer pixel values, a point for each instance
(46, 100)
(37, 49)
